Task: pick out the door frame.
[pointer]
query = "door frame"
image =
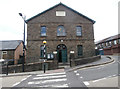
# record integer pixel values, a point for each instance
(61, 48)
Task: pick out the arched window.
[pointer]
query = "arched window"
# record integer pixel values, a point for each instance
(61, 31)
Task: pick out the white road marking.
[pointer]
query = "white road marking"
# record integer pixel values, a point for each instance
(75, 71)
(98, 80)
(51, 74)
(86, 83)
(20, 81)
(81, 77)
(49, 77)
(29, 76)
(54, 80)
(64, 85)
(77, 74)
(47, 81)
(114, 75)
(23, 79)
(26, 78)
(109, 76)
(15, 84)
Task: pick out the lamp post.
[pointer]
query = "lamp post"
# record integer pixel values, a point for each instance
(23, 17)
(44, 56)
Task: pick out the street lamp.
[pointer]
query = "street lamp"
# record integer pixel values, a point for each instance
(23, 17)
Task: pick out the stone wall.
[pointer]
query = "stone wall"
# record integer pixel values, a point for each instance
(37, 66)
(75, 62)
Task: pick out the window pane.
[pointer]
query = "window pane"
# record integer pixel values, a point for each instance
(61, 31)
(79, 31)
(43, 31)
(80, 50)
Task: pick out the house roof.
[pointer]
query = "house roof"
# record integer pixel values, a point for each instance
(9, 44)
(108, 39)
(64, 6)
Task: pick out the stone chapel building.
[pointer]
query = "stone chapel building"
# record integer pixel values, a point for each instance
(64, 29)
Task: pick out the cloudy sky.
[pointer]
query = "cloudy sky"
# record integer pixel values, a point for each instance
(104, 12)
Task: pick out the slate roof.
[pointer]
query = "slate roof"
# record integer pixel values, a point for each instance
(108, 39)
(64, 6)
(9, 44)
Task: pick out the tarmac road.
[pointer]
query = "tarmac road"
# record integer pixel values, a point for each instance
(100, 76)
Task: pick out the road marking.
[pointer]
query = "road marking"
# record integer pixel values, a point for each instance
(86, 83)
(75, 71)
(23, 79)
(49, 77)
(54, 80)
(109, 76)
(98, 80)
(51, 74)
(20, 81)
(29, 76)
(63, 85)
(15, 84)
(47, 81)
(114, 75)
(77, 74)
(26, 78)
(81, 77)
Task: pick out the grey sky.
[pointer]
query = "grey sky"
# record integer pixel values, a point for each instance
(104, 12)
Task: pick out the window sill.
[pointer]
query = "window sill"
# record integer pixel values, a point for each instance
(78, 36)
(61, 36)
(43, 36)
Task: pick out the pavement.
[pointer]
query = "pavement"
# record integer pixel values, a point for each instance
(104, 60)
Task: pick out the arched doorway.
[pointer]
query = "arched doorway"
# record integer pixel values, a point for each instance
(62, 53)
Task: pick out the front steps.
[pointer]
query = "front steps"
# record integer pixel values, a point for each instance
(63, 65)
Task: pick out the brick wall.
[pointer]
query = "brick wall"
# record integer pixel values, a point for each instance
(18, 52)
(37, 66)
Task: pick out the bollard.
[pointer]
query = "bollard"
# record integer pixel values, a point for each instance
(7, 69)
(44, 67)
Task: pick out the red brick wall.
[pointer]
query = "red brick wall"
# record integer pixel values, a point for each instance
(18, 52)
